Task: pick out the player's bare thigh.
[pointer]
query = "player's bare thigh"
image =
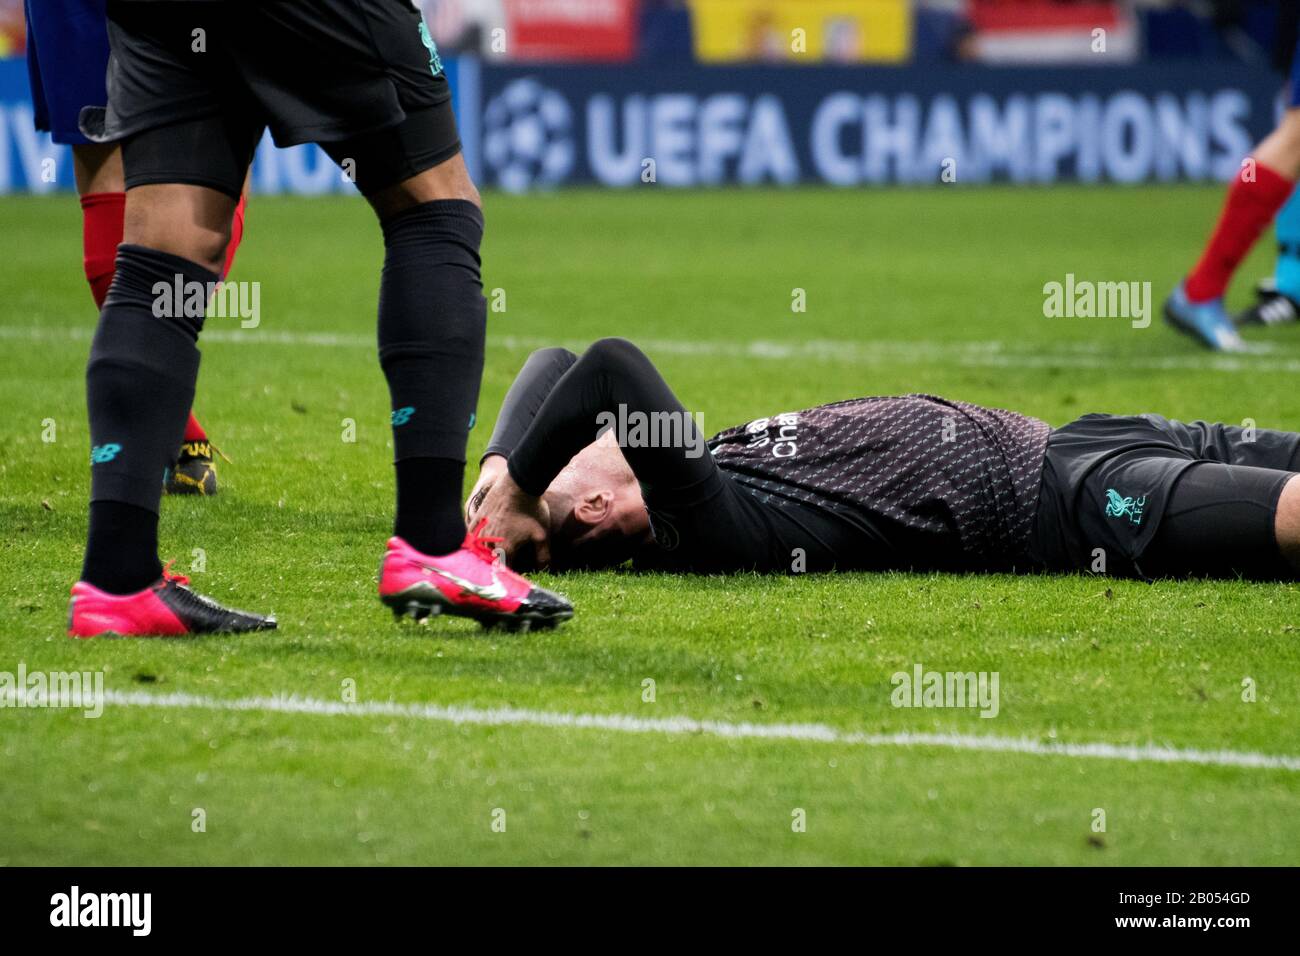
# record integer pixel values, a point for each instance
(448, 180)
(194, 221)
(98, 168)
(1286, 523)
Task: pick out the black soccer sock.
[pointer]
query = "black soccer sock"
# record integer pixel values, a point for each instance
(432, 318)
(424, 485)
(122, 548)
(139, 388)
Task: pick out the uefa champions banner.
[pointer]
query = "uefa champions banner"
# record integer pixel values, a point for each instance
(630, 126)
(542, 127)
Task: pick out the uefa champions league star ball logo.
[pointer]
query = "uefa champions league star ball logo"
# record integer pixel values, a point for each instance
(528, 138)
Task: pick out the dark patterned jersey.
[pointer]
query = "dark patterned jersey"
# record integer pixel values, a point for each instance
(931, 483)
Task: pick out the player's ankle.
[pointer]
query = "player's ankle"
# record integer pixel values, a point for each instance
(122, 548)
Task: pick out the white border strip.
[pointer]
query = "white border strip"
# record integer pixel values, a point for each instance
(976, 354)
(820, 733)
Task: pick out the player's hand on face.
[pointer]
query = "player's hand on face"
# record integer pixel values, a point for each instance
(518, 518)
(492, 468)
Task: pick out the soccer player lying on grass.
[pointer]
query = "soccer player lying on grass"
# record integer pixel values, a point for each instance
(913, 482)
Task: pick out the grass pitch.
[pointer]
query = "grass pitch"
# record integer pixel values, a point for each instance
(931, 290)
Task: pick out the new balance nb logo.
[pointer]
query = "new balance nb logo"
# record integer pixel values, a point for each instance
(1117, 506)
(104, 453)
(402, 415)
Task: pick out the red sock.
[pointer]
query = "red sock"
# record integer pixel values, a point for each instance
(101, 231)
(193, 430)
(1249, 208)
(236, 234)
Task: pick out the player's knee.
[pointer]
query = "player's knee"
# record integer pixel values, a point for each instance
(617, 359)
(615, 353)
(182, 224)
(203, 248)
(448, 180)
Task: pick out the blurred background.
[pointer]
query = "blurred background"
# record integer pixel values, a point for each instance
(843, 92)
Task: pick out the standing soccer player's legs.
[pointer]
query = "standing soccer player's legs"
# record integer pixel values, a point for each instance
(431, 330)
(102, 189)
(140, 378)
(1259, 189)
(1278, 300)
(432, 323)
(1287, 273)
(141, 374)
(67, 57)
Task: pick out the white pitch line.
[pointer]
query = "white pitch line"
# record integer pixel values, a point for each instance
(819, 733)
(975, 354)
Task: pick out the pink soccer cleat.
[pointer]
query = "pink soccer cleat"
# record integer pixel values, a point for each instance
(168, 608)
(468, 583)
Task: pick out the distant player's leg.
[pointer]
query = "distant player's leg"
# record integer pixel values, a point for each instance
(183, 177)
(98, 170)
(1279, 298)
(139, 385)
(67, 58)
(432, 321)
(1286, 276)
(194, 472)
(1256, 194)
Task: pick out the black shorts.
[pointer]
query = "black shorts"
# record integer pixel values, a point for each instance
(1144, 496)
(192, 86)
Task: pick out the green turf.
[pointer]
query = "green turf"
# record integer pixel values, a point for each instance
(928, 290)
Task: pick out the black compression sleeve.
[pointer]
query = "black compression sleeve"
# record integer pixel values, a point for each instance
(534, 382)
(615, 377)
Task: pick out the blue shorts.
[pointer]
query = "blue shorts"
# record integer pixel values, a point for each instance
(67, 60)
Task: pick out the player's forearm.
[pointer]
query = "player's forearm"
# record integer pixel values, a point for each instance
(614, 377)
(540, 373)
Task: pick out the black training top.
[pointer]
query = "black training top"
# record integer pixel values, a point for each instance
(907, 482)
(920, 473)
